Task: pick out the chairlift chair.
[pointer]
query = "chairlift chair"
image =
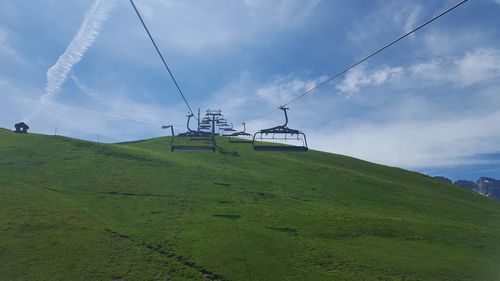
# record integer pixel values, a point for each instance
(275, 135)
(222, 121)
(241, 137)
(227, 130)
(194, 135)
(183, 142)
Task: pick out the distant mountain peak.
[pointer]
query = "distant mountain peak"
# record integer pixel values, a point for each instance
(486, 186)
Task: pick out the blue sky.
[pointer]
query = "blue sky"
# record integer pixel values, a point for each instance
(429, 104)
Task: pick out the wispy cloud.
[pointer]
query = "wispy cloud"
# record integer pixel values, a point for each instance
(7, 52)
(408, 17)
(387, 21)
(418, 144)
(475, 66)
(116, 106)
(83, 88)
(119, 120)
(414, 129)
(441, 41)
(358, 78)
(83, 40)
(479, 65)
(284, 88)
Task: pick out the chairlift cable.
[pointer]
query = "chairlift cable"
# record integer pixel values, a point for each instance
(369, 56)
(161, 57)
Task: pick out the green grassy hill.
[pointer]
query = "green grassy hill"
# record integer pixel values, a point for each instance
(77, 210)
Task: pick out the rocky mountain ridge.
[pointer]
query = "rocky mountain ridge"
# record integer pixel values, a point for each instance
(486, 186)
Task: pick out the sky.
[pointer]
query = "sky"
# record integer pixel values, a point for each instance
(429, 104)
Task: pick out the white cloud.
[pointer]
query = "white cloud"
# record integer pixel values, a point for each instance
(417, 144)
(7, 52)
(475, 66)
(283, 89)
(5, 48)
(439, 41)
(83, 40)
(424, 134)
(108, 114)
(478, 65)
(407, 17)
(236, 97)
(357, 78)
(121, 120)
(390, 20)
(84, 89)
(115, 105)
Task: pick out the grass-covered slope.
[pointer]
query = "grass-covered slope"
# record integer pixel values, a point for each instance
(76, 210)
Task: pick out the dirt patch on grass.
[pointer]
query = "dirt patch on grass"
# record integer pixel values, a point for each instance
(168, 252)
(116, 234)
(133, 194)
(286, 230)
(171, 254)
(265, 195)
(225, 216)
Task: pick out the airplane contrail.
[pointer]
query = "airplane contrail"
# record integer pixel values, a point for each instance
(84, 38)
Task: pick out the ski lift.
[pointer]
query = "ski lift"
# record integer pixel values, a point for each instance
(241, 137)
(222, 122)
(227, 130)
(213, 120)
(275, 135)
(183, 142)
